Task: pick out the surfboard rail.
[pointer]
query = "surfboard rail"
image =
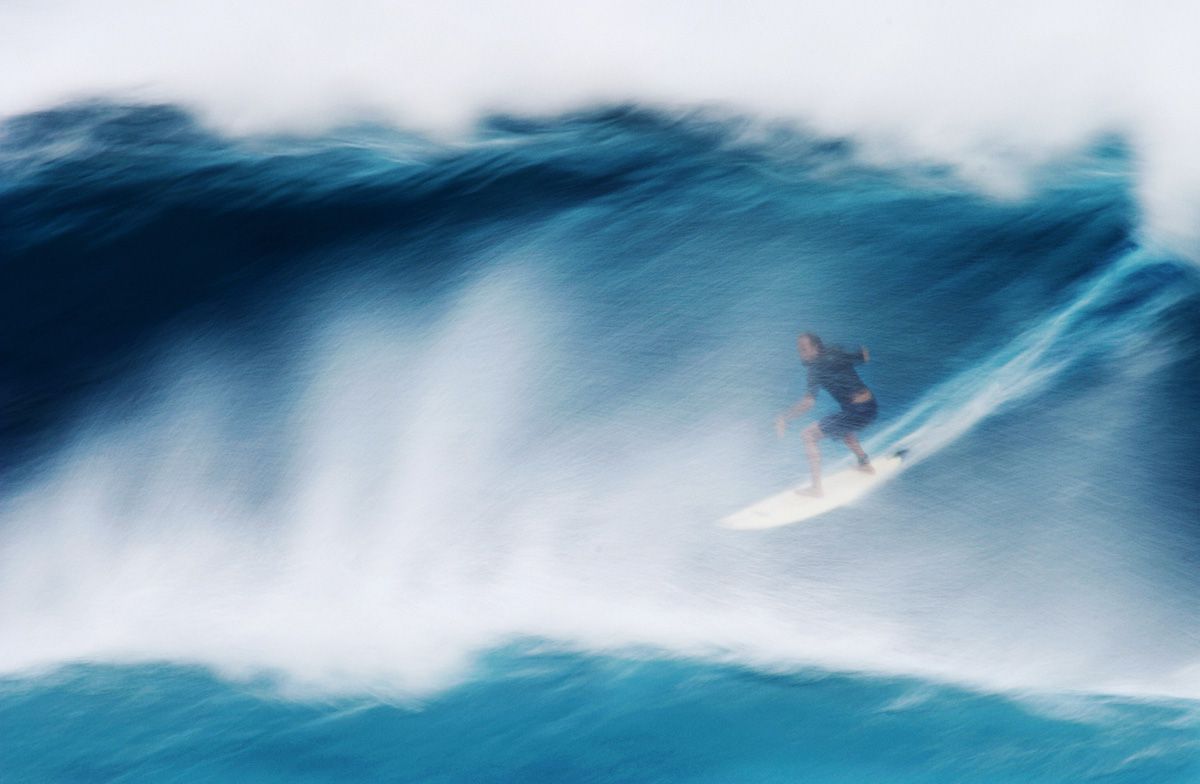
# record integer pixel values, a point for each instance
(841, 488)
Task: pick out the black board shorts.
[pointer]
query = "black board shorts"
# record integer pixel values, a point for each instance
(853, 417)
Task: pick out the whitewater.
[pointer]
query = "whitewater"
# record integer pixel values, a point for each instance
(371, 383)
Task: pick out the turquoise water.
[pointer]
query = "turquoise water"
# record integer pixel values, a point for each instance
(559, 717)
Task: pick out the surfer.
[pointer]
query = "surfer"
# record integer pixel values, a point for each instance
(832, 368)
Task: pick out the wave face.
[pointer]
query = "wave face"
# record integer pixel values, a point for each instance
(343, 419)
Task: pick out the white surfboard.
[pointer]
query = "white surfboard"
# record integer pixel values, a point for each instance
(841, 488)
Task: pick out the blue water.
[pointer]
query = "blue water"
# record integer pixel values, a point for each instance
(548, 717)
(367, 456)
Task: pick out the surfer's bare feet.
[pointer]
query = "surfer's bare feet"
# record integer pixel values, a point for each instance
(866, 467)
(813, 491)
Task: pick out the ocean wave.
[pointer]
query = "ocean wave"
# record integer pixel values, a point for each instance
(356, 411)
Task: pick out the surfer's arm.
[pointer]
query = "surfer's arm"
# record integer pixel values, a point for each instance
(800, 407)
(793, 412)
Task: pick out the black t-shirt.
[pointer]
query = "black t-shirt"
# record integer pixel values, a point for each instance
(834, 369)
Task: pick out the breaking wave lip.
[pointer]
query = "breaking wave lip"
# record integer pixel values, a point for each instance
(989, 88)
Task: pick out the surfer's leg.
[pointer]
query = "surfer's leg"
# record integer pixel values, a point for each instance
(812, 438)
(864, 462)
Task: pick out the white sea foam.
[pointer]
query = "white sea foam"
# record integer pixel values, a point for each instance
(992, 88)
(423, 513)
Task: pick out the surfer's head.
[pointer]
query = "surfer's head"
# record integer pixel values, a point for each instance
(809, 346)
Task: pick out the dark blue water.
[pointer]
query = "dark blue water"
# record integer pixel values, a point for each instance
(303, 441)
